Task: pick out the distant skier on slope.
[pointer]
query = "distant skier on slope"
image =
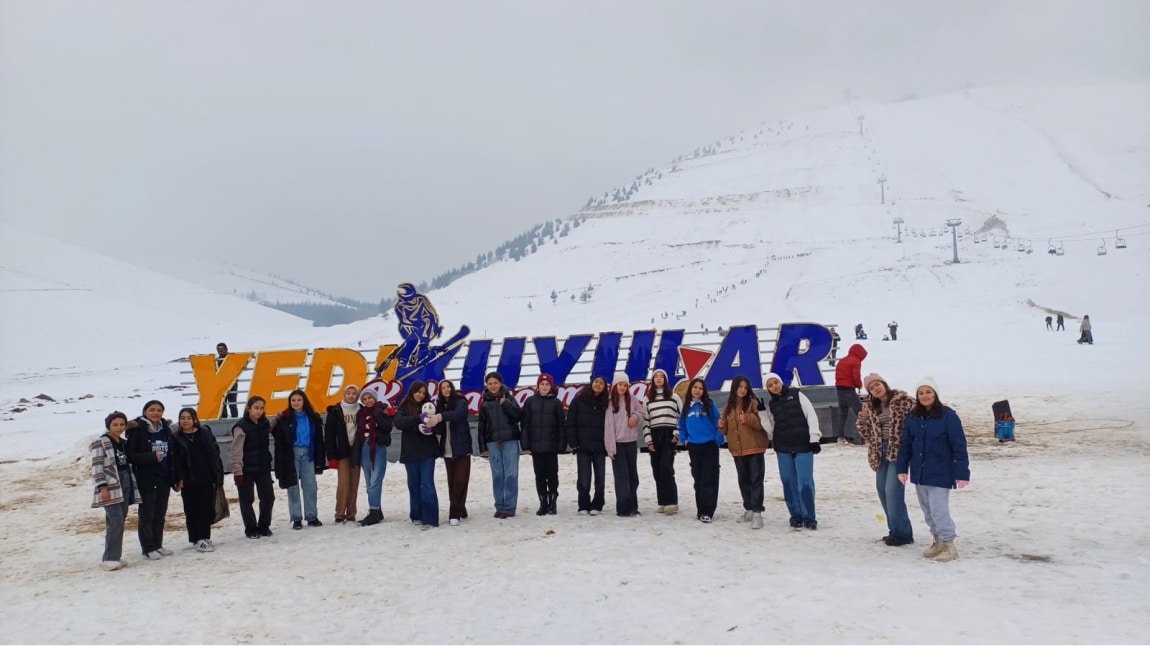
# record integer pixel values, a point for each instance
(1061, 323)
(1086, 331)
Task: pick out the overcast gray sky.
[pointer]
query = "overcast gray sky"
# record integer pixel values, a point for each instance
(328, 140)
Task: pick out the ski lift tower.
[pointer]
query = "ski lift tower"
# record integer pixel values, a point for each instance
(898, 222)
(954, 224)
(882, 189)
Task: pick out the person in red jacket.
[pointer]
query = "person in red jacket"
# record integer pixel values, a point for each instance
(848, 379)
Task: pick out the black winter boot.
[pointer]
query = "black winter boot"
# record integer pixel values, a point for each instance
(544, 504)
(552, 501)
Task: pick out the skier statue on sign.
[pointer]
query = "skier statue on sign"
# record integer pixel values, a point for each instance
(419, 326)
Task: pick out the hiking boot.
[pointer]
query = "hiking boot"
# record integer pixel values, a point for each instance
(948, 552)
(934, 550)
(373, 517)
(671, 509)
(757, 520)
(746, 517)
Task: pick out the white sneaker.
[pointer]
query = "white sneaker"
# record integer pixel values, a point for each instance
(745, 518)
(757, 520)
(424, 528)
(594, 512)
(205, 546)
(417, 523)
(111, 566)
(671, 509)
(154, 555)
(165, 551)
(705, 519)
(583, 512)
(662, 509)
(454, 522)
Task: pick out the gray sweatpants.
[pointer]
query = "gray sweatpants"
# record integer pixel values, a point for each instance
(935, 503)
(114, 530)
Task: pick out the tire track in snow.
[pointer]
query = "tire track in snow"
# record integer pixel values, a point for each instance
(1054, 145)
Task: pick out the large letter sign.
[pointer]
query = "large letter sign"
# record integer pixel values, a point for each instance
(571, 362)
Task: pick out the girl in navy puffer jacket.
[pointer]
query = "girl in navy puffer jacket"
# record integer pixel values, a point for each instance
(933, 453)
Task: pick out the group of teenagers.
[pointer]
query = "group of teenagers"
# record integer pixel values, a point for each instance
(909, 438)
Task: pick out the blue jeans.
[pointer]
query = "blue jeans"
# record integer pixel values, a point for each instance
(505, 475)
(305, 471)
(797, 472)
(892, 495)
(421, 491)
(373, 473)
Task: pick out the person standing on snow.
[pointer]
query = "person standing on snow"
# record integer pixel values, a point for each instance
(456, 448)
(499, 435)
(419, 453)
(793, 428)
(933, 453)
(340, 431)
(586, 418)
(661, 436)
(1061, 323)
(115, 486)
(251, 467)
(299, 458)
(699, 431)
(893, 327)
(373, 424)
(747, 441)
(848, 379)
(229, 405)
(198, 473)
(620, 439)
(542, 423)
(1049, 322)
(880, 424)
(149, 438)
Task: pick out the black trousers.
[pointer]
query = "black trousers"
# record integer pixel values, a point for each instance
(153, 512)
(228, 410)
(848, 401)
(590, 462)
(625, 466)
(546, 473)
(663, 466)
(752, 472)
(199, 510)
(705, 471)
(263, 484)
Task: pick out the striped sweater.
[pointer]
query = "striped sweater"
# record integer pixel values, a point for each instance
(663, 413)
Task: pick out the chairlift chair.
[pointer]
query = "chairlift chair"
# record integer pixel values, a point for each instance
(1119, 243)
(1061, 250)
(1050, 248)
(1029, 247)
(1021, 246)
(1102, 249)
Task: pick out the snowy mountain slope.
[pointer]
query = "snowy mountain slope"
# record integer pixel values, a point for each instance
(233, 279)
(64, 308)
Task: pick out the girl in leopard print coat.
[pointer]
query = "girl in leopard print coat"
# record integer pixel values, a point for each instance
(880, 425)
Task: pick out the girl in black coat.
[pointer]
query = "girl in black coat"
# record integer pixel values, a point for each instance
(584, 429)
(198, 472)
(300, 457)
(418, 452)
(542, 424)
(456, 447)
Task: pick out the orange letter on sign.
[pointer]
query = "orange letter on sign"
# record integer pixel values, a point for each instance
(323, 364)
(213, 384)
(267, 380)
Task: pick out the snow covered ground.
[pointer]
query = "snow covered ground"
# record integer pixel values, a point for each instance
(1053, 533)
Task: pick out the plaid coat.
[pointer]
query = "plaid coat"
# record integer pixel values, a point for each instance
(105, 472)
(900, 406)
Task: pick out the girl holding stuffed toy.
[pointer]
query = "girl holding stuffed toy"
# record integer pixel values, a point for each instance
(419, 452)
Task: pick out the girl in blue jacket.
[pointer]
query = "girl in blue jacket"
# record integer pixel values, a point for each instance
(699, 431)
(933, 451)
